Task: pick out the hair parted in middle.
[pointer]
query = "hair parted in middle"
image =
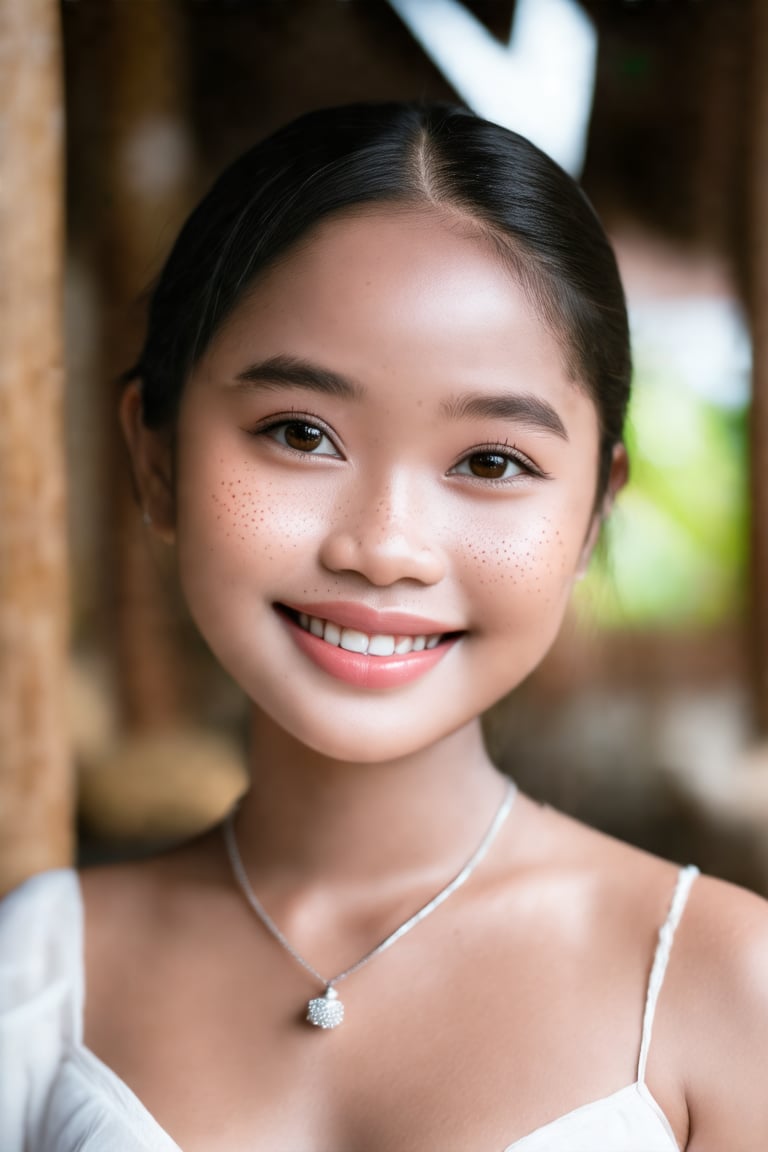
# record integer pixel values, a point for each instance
(412, 155)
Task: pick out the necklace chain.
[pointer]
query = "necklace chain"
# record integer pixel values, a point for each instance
(460, 878)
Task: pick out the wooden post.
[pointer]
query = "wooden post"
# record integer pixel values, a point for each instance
(757, 273)
(149, 173)
(35, 761)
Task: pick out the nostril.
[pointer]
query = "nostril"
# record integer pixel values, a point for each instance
(382, 558)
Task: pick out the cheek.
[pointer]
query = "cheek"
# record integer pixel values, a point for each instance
(523, 569)
(236, 528)
(238, 512)
(241, 507)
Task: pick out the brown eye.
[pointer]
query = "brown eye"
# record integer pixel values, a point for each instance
(303, 437)
(488, 465)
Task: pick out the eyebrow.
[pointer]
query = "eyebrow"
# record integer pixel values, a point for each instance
(293, 372)
(520, 407)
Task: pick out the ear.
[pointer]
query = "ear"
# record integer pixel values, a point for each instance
(152, 460)
(617, 478)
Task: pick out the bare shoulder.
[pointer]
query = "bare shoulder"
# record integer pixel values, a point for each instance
(721, 944)
(143, 888)
(722, 955)
(716, 1006)
(710, 1035)
(135, 913)
(619, 875)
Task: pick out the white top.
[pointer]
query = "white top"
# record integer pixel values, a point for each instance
(57, 1096)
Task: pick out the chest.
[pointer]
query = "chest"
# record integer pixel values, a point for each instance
(454, 1040)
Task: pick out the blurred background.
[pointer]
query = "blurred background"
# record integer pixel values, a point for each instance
(649, 718)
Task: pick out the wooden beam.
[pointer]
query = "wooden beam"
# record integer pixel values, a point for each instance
(35, 761)
(149, 164)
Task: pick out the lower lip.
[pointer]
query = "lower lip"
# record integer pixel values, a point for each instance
(366, 671)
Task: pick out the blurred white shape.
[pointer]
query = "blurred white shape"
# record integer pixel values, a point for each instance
(540, 84)
(703, 342)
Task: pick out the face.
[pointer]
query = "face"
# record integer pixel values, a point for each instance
(385, 479)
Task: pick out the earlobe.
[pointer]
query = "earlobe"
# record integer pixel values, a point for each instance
(619, 471)
(617, 478)
(152, 463)
(593, 535)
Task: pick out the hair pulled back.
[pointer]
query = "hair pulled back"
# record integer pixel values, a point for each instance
(402, 153)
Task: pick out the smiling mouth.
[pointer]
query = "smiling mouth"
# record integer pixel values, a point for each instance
(364, 643)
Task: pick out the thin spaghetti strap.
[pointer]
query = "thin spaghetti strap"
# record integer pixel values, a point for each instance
(685, 879)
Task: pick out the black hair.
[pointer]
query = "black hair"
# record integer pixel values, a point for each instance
(408, 154)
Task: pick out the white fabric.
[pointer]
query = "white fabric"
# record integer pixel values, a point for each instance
(57, 1096)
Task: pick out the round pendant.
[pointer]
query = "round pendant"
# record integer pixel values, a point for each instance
(326, 1011)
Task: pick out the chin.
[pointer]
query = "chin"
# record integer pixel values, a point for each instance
(362, 744)
(373, 734)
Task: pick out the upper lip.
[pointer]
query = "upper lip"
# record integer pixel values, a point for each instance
(374, 623)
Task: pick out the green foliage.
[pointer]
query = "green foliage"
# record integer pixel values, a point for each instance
(676, 545)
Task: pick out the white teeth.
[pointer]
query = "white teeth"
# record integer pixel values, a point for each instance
(332, 633)
(353, 641)
(381, 646)
(316, 626)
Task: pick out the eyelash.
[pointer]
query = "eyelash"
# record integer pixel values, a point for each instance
(509, 451)
(297, 418)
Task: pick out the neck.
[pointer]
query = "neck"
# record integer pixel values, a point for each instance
(312, 821)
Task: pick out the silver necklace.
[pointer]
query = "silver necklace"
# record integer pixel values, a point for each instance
(327, 1011)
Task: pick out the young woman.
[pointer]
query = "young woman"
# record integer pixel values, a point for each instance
(378, 415)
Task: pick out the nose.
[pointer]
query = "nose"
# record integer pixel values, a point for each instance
(382, 532)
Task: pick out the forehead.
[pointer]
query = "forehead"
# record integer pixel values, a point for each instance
(417, 298)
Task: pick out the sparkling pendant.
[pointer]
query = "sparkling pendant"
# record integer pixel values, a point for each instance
(326, 1011)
